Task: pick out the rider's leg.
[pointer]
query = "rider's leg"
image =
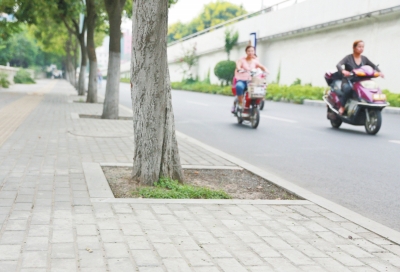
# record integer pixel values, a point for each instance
(347, 92)
(240, 87)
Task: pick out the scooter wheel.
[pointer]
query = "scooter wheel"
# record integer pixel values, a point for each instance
(262, 105)
(336, 123)
(375, 121)
(255, 118)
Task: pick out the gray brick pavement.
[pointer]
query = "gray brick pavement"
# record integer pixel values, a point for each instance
(48, 223)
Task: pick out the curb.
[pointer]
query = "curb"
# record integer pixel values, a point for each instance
(317, 103)
(354, 217)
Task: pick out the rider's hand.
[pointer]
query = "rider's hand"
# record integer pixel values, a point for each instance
(346, 73)
(382, 75)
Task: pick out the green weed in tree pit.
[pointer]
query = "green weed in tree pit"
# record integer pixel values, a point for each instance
(170, 189)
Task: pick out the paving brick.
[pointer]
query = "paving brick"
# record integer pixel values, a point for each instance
(145, 258)
(86, 230)
(116, 250)
(63, 251)
(120, 265)
(176, 264)
(9, 252)
(34, 259)
(167, 250)
(230, 264)
(197, 258)
(63, 265)
(37, 243)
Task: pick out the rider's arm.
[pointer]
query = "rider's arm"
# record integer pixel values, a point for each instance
(368, 62)
(341, 63)
(239, 65)
(262, 67)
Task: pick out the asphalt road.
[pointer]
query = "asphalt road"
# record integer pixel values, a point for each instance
(347, 166)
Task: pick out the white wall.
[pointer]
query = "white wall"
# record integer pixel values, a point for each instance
(309, 55)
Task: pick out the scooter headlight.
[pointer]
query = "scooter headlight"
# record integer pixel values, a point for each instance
(379, 97)
(369, 84)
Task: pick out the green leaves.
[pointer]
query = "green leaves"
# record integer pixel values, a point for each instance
(170, 189)
(225, 70)
(231, 38)
(213, 14)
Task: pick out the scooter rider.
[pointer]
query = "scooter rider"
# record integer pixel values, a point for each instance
(247, 63)
(350, 62)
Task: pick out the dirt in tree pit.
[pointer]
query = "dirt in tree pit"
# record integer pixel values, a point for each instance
(239, 184)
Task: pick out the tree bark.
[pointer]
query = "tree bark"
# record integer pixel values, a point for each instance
(91, 49)
(82, 71)
(111, 101)
(70, 70)
(156, 152)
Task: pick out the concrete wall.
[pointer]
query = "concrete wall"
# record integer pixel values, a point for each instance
(307, 54)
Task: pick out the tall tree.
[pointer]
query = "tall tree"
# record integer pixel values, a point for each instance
(212, 14)
(156, 150)
(114, 10)
(231, 38)
(69, 11)
(91, 50)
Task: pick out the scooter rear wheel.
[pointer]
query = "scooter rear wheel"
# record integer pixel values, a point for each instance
(375, 121)
(262, 105)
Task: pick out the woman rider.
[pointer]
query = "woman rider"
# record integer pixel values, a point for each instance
(247, 63)
(350, 62)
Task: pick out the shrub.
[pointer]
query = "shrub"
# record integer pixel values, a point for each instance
(202, 88)
(225, 70)
(167, 189)
(4, 80)
(392, 98)
(23, 77)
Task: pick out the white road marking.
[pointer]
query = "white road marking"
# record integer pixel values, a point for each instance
(395, 142)
(278, 119)
(197, 103)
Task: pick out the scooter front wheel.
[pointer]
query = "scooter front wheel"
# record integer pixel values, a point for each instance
(375, 121)
(255, 117)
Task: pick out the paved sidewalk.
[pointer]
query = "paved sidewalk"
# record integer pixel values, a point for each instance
(48, 222)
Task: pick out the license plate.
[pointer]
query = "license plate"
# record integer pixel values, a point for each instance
(259, 90)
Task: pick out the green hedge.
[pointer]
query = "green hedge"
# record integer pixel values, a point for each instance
(275, 92)
(294, 93)
(4, 83)
(23, 77)
(392, 98)
(202, 88)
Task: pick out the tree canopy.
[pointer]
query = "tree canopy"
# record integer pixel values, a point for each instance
(211, 15)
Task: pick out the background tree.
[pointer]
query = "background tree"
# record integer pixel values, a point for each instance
(114, 10)
(156, 150)
(92, 15)
(231, 38)
(212, 14)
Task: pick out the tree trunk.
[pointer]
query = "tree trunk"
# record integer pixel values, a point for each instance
(91, 49)
(156, 152)
(81, 84)
(111, 101)
(69, 66)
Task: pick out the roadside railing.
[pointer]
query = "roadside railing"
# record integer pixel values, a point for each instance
(280, 5)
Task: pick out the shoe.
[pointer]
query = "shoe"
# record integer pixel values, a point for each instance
(233, 110)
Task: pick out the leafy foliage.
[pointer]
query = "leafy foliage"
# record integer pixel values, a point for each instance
(4, 83)
(202, 87)
(212, 14)
(231, 38)
(225, 70)
(392, 98)
(189, 58)
(23, 77)
(170, 189)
